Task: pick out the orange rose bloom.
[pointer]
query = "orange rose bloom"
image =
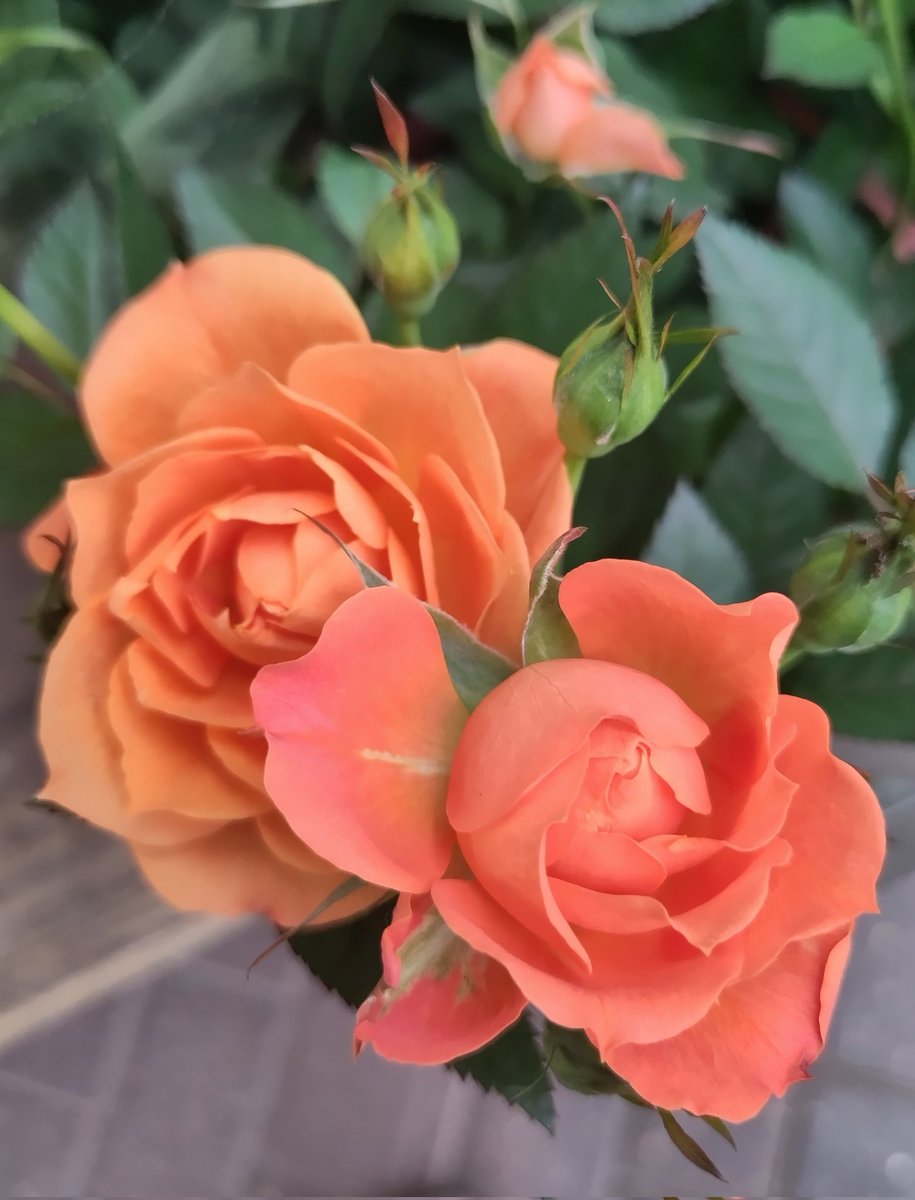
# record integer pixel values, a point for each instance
(648, 843)
(237, 397)
(555, 107)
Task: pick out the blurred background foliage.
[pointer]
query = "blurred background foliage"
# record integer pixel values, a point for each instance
(135, 132)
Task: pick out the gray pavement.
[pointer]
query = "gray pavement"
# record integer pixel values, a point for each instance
(202, 1082)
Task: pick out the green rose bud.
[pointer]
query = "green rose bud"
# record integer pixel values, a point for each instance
(411, 248)
(607, 391)
(612, 381)
(848, 600)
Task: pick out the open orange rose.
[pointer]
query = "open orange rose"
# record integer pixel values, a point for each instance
(235, 399)
(555, 106)
(648, 843)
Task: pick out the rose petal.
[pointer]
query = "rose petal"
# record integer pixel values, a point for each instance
(102, 507)
(617, 137)
(253, 400)
(468, 566)
(515, 384)
(234, 871)
(49, 531)
(646, 617)
(168, 764)
(719, 899)
(79, 744)
(836, 831)
(509, 857)
(606, 912)
(436, 410)
(539, 98)
(641, 987)
(605, 861)
(361, 732)
(502, 622)
(539, 716)
(158, 686)
(196, 325)
(753, 1044)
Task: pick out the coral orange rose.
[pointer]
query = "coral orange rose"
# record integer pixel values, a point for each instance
(555, 107)
(234, 400)
(648, 843)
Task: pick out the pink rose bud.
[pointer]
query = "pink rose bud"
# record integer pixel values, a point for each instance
(554, 106)
(544, 96)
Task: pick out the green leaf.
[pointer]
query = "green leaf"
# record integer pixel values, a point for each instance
(868, 695)
(892, 307)
(224, 86)
(804, 360)
(577, 1064)
(67, 281)
(490, 60)
(480, 217)
(547, 632)
(460, 10)
(690, 541)
(347, 957)
(829, 234)
(17, 13)
(30, 12)
(768, 505)
(146, 246)
(553, 293)
(40, 446)
(641, 16)
(24, 103)
(357, 31)
(278, 3)
(474, 669)
(41, 37)
(219, 211)
(513, 1065)
(907, 458)
(721, 1129)
(687, 1145)
(822, 47)
(351, 190)
(622, 498)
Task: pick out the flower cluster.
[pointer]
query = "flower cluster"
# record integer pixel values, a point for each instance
(598, 805)
(320, 658)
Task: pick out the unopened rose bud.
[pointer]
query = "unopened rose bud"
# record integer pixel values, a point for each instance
(848, 599)
(607, 391)
(554, 110)
(411, 245)
(611, 382)
(411, 248)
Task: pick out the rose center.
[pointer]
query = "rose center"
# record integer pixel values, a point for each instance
(622, 791)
